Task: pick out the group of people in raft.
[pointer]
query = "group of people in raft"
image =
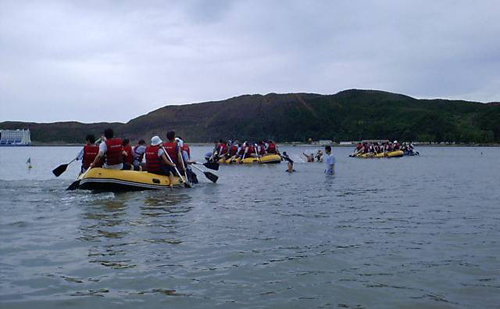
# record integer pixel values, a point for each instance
(383, 147)
(169, 158)
(234, 149)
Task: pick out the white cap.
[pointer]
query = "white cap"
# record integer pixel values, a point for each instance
(179, 141)
(156, 140)
(395, 142)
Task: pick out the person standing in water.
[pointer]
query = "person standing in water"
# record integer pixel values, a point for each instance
(329, 160)
(285, 157)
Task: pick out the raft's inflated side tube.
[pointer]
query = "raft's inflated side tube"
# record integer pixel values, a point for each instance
(395, 154)
(267, 159)
(392, 154)
(117, 180)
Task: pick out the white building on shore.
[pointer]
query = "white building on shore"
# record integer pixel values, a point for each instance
(15, 137)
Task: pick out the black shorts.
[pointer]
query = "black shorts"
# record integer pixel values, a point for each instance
(168, 170)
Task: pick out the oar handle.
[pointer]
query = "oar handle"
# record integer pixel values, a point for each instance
(257, 154)
(196, 167)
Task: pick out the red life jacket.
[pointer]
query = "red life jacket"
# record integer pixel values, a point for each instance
(129, 158)
(233, 149)
(185, 148)
(172, 150)
(262, 150)
(250, 151)
(222, 149)
(271, 148)
(89, 154)
(219, 148)
(153, 162)
(114, 152)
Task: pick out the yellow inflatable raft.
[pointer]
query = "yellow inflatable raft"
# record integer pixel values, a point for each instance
(392, 154)
(117, 180)
(267, 159)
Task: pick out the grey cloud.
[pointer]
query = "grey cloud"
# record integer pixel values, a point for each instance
(113, 60)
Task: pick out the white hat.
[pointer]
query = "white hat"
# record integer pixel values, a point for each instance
(395, 142)
(179, 141)
(156, 140)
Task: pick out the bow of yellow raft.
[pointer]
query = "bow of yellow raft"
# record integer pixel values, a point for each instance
(392, 154)
(118, 180)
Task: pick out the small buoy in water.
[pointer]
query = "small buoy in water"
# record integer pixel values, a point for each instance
(29, 163)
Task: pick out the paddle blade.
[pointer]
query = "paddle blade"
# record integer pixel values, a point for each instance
(212, 165)
(60, 169)
(212, 177)
(74, 185)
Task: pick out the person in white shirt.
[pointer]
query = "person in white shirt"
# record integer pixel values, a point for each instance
(329, 160)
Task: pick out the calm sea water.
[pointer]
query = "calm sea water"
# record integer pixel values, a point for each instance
(412, 232)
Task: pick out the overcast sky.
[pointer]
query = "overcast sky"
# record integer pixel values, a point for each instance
(99, 60)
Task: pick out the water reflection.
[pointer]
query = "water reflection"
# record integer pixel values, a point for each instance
(118, 226)
(260, 237)
(157, 204)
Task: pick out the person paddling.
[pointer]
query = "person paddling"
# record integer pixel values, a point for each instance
(88, 152)
(157, 162)
(272, 149)
(186, 157)
(174, 152)
(112, 152)
(128, 157)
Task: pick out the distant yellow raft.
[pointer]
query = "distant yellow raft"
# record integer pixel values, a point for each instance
(392, 154)
(117, 180)
(267, 159)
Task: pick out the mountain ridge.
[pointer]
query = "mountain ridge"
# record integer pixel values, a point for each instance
(351, 114)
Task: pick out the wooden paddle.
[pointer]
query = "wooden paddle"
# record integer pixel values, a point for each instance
(257, 154)
(244, 154)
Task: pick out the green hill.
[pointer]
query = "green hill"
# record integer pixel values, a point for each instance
(347, 115)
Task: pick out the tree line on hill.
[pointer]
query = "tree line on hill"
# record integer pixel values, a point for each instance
(297, 117)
